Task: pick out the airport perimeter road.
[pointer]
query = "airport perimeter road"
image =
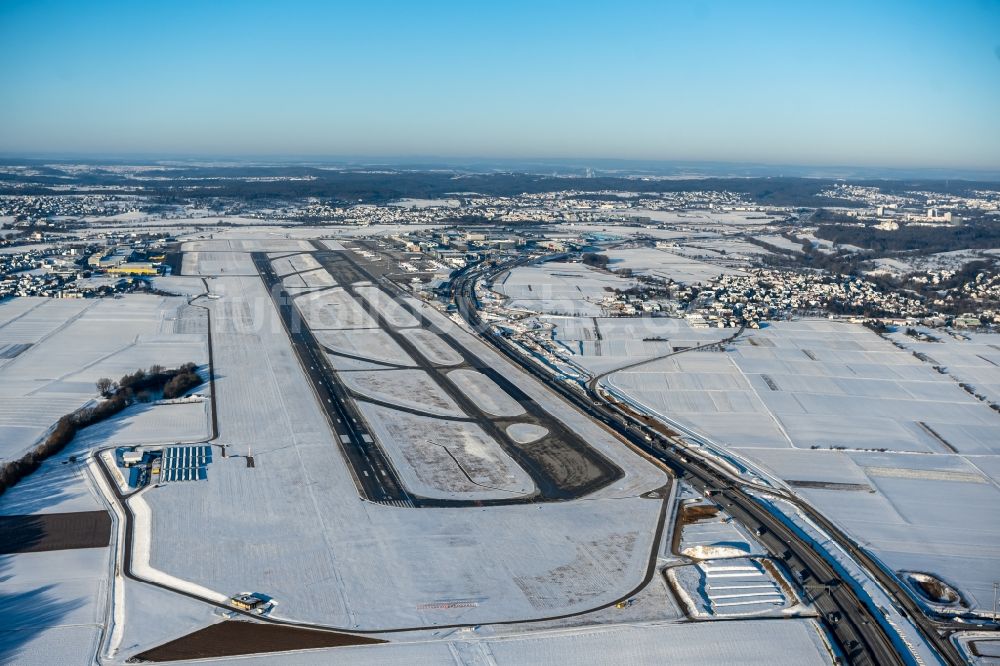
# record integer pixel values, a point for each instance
(127, 543)
(853, 624)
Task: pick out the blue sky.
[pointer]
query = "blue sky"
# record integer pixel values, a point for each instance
(906, 84)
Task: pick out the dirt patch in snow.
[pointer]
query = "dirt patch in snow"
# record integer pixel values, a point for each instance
(933, 589)
(692, 513)
(54, 531)
(231, 638)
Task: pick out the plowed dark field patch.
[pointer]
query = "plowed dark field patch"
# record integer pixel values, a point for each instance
(232, 637)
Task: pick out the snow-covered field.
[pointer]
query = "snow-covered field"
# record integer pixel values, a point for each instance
(446, 459)
(953, 260)
(781, 242)
(559, 288)
(266, 242)
(210, 263)
(53, 602)
(795, 642)
(56, 602)
(525, 433)
(485, 393)
(665, 264)
(413, 389)
(317, 278)
(394, 314)
(53, 606)
(892, 450)
(372, 344)
(153, 424)
(705, 219)
(971, 358)
(75, 342)
(732, 247)
(332, 309)
(434, 349)
(180, 285)
(604, 344)
(893, 266)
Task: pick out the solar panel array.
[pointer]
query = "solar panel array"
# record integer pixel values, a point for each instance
(185, 463)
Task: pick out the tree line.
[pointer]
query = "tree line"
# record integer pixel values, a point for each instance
(139, 385)
(596, 260)
(924, 239)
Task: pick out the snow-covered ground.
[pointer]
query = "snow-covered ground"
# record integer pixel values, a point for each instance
(56, 603)
(485, 393)
(731, 587)
(412, 389)
(603, 344)
(210, 263)
(333, 308)
(395, 315)
(781, 242)
(525, 433)
(970, 358)
(373, 344)
(154, 424)
(434, 349)
(666, 264)
(317, 278)
(75, 342)
(248, 242)
(53, 606)
(180, 285)
(715, 536)
(53, 602)
(559, 288)
(446, 459)
(747, 642)
(879, 441)
(305, 537)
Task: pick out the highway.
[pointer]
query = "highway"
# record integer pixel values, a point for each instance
(850, 621)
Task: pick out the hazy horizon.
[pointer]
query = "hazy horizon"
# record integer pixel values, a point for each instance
(907, 86)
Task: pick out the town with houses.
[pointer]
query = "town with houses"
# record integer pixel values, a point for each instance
(49, 248)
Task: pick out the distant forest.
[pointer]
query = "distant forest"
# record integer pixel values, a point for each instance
(388, 185)
(979, 236)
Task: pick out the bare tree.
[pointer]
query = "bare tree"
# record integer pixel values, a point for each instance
(105, 386)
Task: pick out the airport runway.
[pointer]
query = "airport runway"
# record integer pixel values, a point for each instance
(374, 474)
(561, 464)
